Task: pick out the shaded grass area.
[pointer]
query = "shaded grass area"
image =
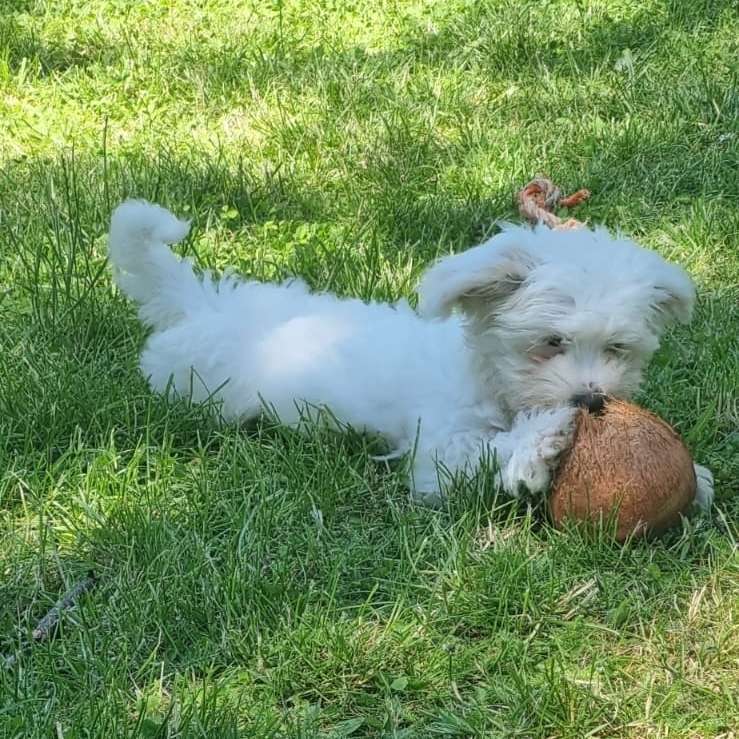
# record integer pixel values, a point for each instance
(259, 582)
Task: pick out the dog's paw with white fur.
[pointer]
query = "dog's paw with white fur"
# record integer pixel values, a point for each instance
(537, 440)
(704, 487)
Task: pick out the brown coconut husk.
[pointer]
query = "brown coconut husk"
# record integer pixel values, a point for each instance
(625, 465)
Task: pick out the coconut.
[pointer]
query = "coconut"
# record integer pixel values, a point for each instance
(625, 465)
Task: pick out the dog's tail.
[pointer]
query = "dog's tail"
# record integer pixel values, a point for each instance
(164, 286)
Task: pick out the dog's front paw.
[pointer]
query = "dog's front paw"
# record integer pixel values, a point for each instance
(547, 431)
(525, 472)
(704, 487)
(556, 436)
(539, 437)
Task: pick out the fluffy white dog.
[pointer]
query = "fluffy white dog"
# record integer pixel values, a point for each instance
(509, 337)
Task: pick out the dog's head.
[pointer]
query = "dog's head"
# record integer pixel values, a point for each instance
(557, 317)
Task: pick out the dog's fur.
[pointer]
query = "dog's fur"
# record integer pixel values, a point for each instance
(506, 335)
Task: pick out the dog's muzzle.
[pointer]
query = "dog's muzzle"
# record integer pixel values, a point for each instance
(593, 402)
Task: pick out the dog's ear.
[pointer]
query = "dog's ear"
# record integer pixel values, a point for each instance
(674, 296)
(476, 280)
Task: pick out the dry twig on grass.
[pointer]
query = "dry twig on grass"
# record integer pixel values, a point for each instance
(46, 626)
(69, 600)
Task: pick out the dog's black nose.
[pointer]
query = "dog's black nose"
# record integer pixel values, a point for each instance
(594, 402)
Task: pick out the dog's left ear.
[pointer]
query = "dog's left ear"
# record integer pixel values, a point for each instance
(674, 296)
(475, 280)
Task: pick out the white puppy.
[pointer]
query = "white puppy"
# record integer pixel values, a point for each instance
(509, 337)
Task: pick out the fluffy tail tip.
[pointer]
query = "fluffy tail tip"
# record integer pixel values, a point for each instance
(138, 222)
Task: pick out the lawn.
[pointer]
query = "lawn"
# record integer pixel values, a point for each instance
(257, 582)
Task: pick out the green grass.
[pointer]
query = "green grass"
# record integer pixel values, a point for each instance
(256, 582)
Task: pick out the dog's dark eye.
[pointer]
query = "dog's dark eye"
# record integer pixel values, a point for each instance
(549, 347)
